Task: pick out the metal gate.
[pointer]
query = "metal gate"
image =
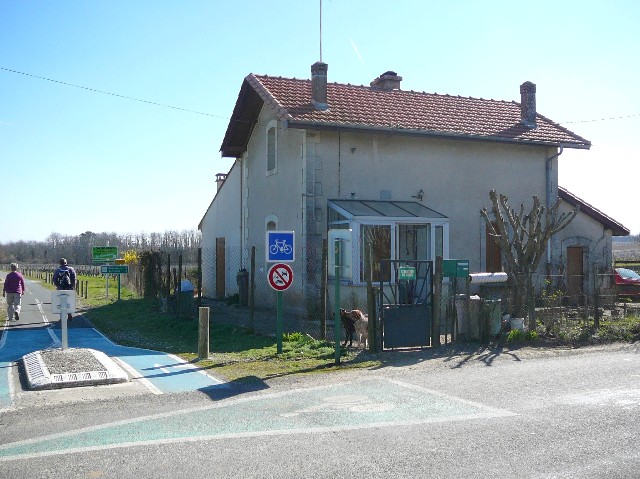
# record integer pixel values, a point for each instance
(406, 303)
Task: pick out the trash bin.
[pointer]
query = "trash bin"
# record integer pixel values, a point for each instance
(242, 279)
(468, 319)
(493, 314)
(187, 303)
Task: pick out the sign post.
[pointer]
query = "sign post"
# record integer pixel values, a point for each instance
(336, 313)
(105, 254)
(118, 269)
(280, 248)
(63, 302)
(280, 277)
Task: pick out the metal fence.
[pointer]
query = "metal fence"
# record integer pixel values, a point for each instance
(233, 282)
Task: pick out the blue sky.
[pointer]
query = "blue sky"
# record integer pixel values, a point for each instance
(74, 159)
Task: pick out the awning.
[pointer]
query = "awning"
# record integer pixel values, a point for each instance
(392, 210)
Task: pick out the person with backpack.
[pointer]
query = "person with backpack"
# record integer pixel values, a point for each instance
(64, 278)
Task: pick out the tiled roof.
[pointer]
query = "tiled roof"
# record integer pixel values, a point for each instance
(616, 228)
(363, 107)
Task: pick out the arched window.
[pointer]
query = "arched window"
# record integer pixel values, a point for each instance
(271, 223)
(272, 147)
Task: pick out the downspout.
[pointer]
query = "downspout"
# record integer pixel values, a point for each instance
(548, 199)
(242, 173)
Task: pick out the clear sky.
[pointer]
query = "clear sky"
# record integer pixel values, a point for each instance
(75, 159)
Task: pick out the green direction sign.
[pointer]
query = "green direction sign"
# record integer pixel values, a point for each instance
(104, 254)
(406, 273)
(114, 269)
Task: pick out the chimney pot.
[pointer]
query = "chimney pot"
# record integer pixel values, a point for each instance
(319, 85)
(388, 81)
(220, 177)
(528, 104)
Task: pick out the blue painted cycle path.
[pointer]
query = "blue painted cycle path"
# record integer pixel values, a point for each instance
(161, 372)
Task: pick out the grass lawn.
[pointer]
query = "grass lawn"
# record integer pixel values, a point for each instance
(235, 353)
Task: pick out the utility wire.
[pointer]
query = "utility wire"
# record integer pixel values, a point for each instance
(226, 117)
(113, 94)
(601, 119)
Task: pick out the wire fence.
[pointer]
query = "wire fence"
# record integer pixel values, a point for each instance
(233, 282)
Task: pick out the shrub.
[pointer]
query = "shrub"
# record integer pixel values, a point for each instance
(517, 336)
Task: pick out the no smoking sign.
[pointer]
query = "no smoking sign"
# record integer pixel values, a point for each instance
(280, 276)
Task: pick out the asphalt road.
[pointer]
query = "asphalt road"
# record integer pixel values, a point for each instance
(519, 414)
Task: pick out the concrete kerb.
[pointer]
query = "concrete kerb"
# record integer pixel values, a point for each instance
(73, 367)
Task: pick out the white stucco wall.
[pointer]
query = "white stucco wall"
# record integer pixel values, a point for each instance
(222, 220)
(456, 177)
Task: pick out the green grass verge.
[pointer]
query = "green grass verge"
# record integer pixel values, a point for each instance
(236, 353)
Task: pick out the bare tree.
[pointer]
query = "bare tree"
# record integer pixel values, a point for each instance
(523, 239)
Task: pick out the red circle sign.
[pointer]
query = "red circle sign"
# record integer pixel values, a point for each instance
(280, 276)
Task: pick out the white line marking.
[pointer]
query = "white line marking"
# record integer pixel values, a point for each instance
(134, 375)
(164, 370)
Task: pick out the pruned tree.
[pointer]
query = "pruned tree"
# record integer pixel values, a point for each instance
(523, 238)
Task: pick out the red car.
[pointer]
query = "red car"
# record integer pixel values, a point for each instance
(627, 282)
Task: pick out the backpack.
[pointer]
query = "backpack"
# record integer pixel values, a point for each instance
(64, 279)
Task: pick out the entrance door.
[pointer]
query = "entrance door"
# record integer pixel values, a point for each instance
(575, 274)
(406, 304)
(220, 269)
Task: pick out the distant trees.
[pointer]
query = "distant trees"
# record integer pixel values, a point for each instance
(78, 249)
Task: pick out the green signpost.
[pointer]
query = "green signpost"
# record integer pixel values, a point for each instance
(114, 269)
(118, 269)
(104, 254)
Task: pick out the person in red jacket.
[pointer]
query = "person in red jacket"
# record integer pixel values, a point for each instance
(13, 290)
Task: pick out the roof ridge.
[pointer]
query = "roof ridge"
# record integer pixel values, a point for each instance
(368, 87)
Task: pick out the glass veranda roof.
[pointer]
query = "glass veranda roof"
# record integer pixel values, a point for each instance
(354, 209)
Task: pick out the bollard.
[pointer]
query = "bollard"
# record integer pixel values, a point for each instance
(203, 333)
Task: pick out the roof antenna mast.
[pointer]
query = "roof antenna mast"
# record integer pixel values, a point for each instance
(321, 31)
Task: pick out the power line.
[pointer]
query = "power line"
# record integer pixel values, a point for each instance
(93, 90)
(601, 119)
(163, 105)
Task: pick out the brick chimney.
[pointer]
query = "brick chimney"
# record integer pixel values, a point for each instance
(220, 177)
(528, 104)
(319, 85)
(387, 81)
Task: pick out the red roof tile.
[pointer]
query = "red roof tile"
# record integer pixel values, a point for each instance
(363, 107)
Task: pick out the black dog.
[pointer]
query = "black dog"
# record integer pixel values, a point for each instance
(349, 319)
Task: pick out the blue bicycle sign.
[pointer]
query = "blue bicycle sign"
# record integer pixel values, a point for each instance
(280, 246)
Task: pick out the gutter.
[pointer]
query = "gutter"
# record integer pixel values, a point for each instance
(311, 125)
(547, 170)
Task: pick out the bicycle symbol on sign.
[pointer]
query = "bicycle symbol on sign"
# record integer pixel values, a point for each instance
(280, 246)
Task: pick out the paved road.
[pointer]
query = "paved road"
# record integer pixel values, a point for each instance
(39, 329)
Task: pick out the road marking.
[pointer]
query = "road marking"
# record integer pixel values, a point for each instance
(163, 369)
(134, 375)
(356, 405)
